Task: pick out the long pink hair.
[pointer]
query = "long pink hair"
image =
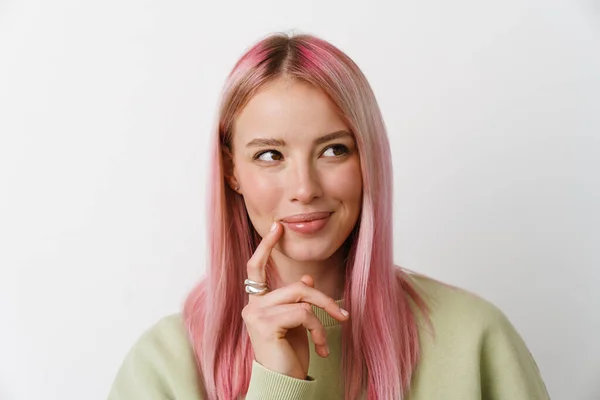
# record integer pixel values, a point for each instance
(381, 341)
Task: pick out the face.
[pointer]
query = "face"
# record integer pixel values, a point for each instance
(296, 162)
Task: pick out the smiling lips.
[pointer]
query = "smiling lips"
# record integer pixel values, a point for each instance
(307, 223)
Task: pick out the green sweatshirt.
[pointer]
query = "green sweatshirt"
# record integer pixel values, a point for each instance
(476, 353)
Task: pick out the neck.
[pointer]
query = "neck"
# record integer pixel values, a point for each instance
(328, 275)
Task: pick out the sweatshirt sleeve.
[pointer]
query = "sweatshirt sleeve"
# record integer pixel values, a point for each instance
(508, 370)
(269, 385)
(161, 366)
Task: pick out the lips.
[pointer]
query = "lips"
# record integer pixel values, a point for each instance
(306, 217)
(308, 224)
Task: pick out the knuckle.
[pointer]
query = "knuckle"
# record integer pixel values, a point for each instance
(298, 285)
(245, 313)
(251, 265)
(321, 331)
(306, 308)
(250, 314)
(305, 312)
(300, 289)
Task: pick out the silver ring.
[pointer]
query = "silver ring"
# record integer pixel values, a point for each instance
(254, 291)
(254, 283)
(255, 288)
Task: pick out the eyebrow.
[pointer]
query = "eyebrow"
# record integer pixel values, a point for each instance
(270, 142)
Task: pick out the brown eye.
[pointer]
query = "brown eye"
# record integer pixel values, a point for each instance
(335, 150)
(269, 155)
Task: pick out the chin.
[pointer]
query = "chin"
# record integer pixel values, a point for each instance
(305, 252)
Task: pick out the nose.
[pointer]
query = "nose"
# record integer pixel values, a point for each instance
(304, 182)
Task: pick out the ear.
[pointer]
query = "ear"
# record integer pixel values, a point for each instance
(229, 169)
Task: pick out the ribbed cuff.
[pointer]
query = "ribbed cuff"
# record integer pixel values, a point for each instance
(269, 385)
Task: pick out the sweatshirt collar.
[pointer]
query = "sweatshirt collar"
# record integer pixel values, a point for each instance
(326, 319)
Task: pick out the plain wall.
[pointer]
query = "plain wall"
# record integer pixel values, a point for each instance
(106, 108)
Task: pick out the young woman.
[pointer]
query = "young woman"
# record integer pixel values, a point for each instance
(302, 299)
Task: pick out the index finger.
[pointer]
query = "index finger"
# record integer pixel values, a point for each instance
(256, 263)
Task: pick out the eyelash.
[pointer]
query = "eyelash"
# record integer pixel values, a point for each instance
(342, 146)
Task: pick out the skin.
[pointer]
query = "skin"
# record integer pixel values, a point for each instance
(296, 171)
(300, 176)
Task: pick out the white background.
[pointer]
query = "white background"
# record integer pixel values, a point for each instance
(493, 109)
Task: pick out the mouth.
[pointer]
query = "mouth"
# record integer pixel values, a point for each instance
(308, 223)
(308, 217)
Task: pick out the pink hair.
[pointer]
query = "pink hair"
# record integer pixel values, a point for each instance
(381, 341)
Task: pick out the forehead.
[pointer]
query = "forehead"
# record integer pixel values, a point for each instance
(289, 110)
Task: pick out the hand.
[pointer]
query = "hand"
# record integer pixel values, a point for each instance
(277, 321)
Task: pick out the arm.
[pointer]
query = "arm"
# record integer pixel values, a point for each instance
(269, 385)
(161, 366)
(143, 376)
(508, 370)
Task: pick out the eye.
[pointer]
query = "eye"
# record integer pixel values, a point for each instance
(335, 150)
(269, 155)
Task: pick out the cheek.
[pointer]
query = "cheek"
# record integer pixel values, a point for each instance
(261, 192)
(345, 184)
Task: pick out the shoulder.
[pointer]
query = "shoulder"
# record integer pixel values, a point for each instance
(475, 340)
(169, 329)
(455, 309)
(160, 363)
(166, 343)
(462, 324)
